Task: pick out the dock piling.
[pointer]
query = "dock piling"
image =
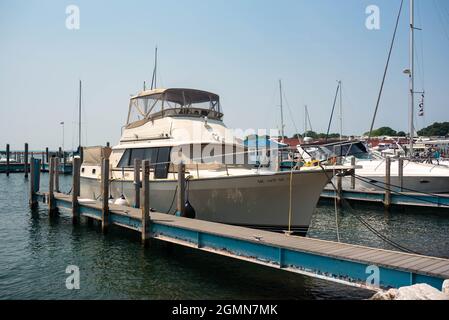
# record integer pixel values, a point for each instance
(34, 181)
(181, 190)
(51, 196)
(105, 193)
(26, 161)
(339, 189)
(75, 189)
(387, 202)
(353, 173)
(401, 173)
(7, 159)
(57, 174)
(137, 183)
(146, 204)
(43, 161)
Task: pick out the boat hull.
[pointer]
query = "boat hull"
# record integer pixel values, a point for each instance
(429, 184)
(260, 201)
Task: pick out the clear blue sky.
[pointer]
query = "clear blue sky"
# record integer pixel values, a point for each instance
(238, 49)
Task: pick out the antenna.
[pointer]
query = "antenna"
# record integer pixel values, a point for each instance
(79, 119)
(305, 120)
(332, 113)
(282, 112)
(154, 79)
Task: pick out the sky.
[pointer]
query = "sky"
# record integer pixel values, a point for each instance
(238, 49)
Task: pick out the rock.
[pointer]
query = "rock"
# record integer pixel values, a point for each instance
(417, 292)
(385, 295)
(445, 288)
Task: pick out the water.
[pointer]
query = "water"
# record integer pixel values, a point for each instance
(35, 251)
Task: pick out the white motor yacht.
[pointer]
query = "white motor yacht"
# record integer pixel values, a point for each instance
(187, 124)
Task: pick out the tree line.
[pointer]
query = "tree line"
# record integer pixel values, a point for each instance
(435, 130)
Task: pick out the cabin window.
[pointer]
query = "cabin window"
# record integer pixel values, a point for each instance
(124, 161)
(158, 157)
(94, 171)
(162, 163)
(136, 154)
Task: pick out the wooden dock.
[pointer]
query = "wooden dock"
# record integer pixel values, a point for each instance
(344, 263)
(19, 161)
(403, 199)
(390, 195)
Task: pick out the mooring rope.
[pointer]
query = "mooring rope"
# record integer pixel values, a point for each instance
(368, 181)
(367, 225)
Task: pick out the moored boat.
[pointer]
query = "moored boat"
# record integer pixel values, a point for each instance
(166, 126)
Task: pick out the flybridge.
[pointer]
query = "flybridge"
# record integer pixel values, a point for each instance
(159, 103)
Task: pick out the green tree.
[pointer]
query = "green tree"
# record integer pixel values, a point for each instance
(311, 134)
(384, 131)
(436, 130)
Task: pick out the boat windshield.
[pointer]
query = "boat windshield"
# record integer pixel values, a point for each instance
(343, 149)
(158, 103)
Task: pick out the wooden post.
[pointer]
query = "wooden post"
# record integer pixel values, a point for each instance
(401, 173)
(7, 160)
(137, 183)
(56, 174)
(387, 201)
(81, 154)
(146, 203)
(105, 193)
(51, 196)
(43, 161)
(75, 189)
(353, 173)
(34, 181)
(46, 156)
(25, 161)
(64, 161)
(181, 190)
(339, 188)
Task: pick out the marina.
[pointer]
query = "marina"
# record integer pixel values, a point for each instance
(187, 273)
(332, 261)
(298, 157)
(19, 161)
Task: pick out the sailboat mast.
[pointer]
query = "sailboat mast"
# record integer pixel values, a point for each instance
(412, 74)
(282, 112)
(341, 111)
(306, 114)
(154, 79)
(79, 119)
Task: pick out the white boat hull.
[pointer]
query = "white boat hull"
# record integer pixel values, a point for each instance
(260, 201)
(429, 184)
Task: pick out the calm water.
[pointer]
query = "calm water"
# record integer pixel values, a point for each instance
(34, 253)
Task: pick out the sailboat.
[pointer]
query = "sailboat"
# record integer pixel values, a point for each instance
(417, 177)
